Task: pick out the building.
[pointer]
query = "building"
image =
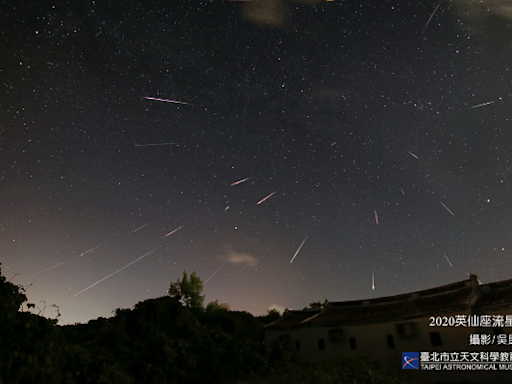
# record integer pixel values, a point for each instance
(464, 317)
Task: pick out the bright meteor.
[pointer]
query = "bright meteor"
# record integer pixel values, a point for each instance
(265, 198)
(298, 250)
(481, 105)
(119, 270)
(240, 181)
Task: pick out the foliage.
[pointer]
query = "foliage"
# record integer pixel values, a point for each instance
(272, 315)
(28, 343)
(317, 304)
(188, 290)
(159, 341)
(215, 306)
(343, 369)
(162, 341)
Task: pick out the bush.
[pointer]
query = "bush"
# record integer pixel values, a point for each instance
(28, 343)
(340, 370)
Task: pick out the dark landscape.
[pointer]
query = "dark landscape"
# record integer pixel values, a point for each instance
(284, 153)
(161, 341)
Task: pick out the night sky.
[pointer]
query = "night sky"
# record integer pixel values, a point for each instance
(383, 139)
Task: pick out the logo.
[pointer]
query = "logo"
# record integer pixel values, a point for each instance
(410, 360)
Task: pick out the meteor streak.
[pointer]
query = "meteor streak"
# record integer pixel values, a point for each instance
(448, 209)
(135, 230)
(298, 250)
(92, 249)
(240, 181)
(170, 233)
(119, 270)
(444, 187)
(481, 105)
(55, 266)
(147, 145)
(412, 154)
(376, 217)
(449, 262)
(265, 198)
(213, 274)
(67, 261)
(431, 16)
(373, 280)
(168, 100)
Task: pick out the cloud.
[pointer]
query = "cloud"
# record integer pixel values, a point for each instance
(478, 11)
(234, 257)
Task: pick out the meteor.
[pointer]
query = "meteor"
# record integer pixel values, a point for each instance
(444, 187)
(449, 262)
(147, 145)
(448, 209)
(135, 230)
(240, 181)
(481, 105)
(55, 266)
(67, 261)
(119, 270)
(170, 233)
(431, 16)
(298, 250)
(92, 249)
(214, 273)
(376, 217)
(168, 100)
(412, 154)
(265, 198)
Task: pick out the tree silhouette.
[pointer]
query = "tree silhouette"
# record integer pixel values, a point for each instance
(188, 290)
(272, 315)
(29, 343)
(317, 304)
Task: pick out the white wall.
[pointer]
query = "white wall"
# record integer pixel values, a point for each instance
(371, 340)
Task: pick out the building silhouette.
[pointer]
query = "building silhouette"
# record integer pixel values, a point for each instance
(465, 317)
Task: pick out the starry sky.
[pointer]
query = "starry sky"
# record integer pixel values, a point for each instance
(380, 135)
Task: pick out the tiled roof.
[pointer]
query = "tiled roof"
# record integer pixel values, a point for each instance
(497, 295)
(362, 313)
(403, 307)
(294, 318)
(456, 300)
(461, 297)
